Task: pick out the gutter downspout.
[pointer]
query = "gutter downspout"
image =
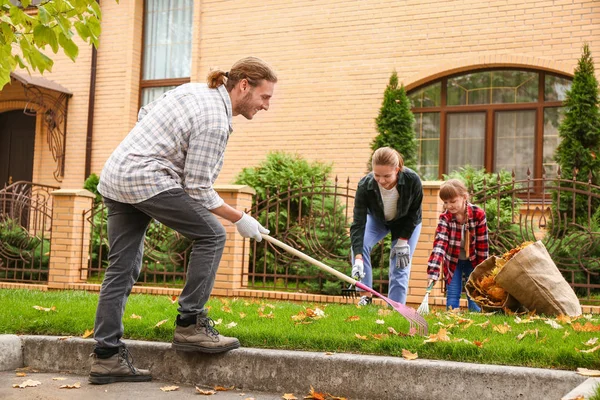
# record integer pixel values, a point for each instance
(90, 117)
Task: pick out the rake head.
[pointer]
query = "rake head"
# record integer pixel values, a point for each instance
(418, 325)
(349, 292)
(424, 307)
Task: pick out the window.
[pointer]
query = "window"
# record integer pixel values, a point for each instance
(167, 47)
(499, 119)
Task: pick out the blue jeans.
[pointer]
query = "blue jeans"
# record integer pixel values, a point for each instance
(454, 289)
(375, 231)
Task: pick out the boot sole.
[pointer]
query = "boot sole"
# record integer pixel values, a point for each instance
(104, 379)
(200, 349)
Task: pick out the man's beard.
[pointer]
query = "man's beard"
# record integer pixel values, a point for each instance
(244, 106)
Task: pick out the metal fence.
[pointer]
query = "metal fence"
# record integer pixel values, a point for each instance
(25, 232)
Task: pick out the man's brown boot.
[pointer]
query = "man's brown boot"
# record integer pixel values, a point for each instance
(202, 337)
(117, 368)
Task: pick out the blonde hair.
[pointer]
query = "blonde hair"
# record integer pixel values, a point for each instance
(453, 188)
(253, 69)
(388, 157)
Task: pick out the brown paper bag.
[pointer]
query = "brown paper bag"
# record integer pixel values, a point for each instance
(483, 269)
(534, 280)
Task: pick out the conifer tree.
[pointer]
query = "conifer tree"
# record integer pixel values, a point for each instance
(395, 123)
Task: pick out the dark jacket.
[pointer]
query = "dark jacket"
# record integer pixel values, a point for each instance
(368, 201)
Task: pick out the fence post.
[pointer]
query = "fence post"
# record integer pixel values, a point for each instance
(69, 233)
(229, 275)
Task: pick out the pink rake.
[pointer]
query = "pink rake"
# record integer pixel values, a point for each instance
(418, 325)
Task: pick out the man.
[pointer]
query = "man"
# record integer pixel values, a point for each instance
(165, 169)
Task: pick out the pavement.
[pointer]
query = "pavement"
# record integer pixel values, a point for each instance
(269, 374)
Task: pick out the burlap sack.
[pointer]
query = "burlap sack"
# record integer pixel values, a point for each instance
(483, 269)
(534, 280)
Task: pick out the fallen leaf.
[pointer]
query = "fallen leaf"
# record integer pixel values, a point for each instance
(134, 316)
(565, 334)
(528, 332)
(87, 333)
(563, 319)
(588, 327)
(380, 322)
(484, 324)
(329, 353)
(159, 323)
(407, 355)
(39, 308)
(589, 351)
(76, 385)
(480, 343)
(579, 397)
(360, 337)
(231, 325)
(263, 315)
(441, 336)
(223, 389)
(315, 395)
(384, 311)
(352, 318)
(65, 337)
(205, 392)
(523, 321)
(169, 388)
(335, 397)
(289, 396)
(20, 374)
(553, 324)
(380, 336)
(27, 383)
(219, 321)
(242, 315)
(319, 313)
(270, 306)
(226, 309)
(588, 372)
(463, 340)
(591, 342)
(502, 329)
(59, 379)
(173, 299)
(392, 331)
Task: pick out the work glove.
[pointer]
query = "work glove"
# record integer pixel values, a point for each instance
(358, 269)
(402, 252)
(248, 227)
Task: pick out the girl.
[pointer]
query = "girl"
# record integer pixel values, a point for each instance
(388, 200)
(460, 244)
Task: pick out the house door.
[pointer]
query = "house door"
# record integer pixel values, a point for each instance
(17, 138)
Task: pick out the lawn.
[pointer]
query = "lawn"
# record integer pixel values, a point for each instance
(522, 340)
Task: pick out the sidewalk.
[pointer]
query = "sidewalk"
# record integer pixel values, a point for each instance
(278, 371)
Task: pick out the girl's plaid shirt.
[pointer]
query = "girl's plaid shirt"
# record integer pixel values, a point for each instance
(446, 245)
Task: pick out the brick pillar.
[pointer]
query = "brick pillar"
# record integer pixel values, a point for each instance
(69, 233)
(229, 275)
(432, 207)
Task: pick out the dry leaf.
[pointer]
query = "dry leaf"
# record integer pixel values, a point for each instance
(579, 397)
(173, 299)
(361, 337)
(242, 315)
(528, 332)
(315, 395)
(59, 379)
(20, 374)
(565, 334)
(384, 311)
(27, 383)
(407, 355)
(588, 372)
(502, 329)
(231, 325)
(133, 316)
(392, 331)
(379, 322)
(76, 385)
(591, 342)
(593, 349)
(223, 389)
(219, 321)
(289, 396)
(159, 323)
(169, 388)
(39, 308)
(463, 340)
(329, 353)
(380, 336)
(441, 336)
(352, 318)
(263, 315)
(563, 319)
(484, 324)
(226, 309)
(87, 333)
(523, 321)
(65, 337)
(480, 343)
(319, 313)
(205, 392)
(588, 327)
(553, 324)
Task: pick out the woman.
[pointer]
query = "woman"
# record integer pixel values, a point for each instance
(388, 200)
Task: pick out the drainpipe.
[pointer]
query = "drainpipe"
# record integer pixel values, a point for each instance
(90, 117)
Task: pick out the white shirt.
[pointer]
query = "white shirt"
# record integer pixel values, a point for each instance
(390, 201)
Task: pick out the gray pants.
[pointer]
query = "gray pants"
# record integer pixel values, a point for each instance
(127, 224)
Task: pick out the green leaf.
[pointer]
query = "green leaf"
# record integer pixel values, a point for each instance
(43, 15)
(25, 3)
(40, 60)
(83, 30)
(69, 46)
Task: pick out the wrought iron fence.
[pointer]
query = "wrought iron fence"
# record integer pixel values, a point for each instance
(561, 212)
(166, 252)
(25, 232)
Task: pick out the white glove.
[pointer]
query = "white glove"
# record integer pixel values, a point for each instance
(402, 252)
(248, 227)
(358, 269)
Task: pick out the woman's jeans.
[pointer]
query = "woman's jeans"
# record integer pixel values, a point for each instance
(375, 231)
(454, 289)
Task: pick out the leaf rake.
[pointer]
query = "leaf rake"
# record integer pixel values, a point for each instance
(424, 307)
(418, 325)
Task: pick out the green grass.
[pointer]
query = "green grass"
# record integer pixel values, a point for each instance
(551, 348)
(596, 394)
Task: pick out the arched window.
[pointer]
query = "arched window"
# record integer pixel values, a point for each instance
(497, 119)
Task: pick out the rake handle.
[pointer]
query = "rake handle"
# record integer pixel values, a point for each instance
(308, 258)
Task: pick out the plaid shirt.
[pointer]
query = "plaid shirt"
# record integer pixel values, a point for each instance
(178, 142)
(446, 245)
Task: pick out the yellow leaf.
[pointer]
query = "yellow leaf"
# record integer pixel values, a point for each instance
(590, 350)
(20, 374)
(361, 337)
(39, 308)
(588, 327)
(226, 309)
(566, 334)
(380, 336)
(352, 318)
(502, 329)
(205, 392)
(219, 321)
(485, 324)
(407, 355)
(169, 388)
(65, 337)
(159, 323)
(392, 331)
(87, 333)
(263, 315)
(76, 385)
(441, 336)
(223, 389)
(528, 332)
(553, 324)
(231, 325)
(379, 322)
(329, 353)
(588, 372)
(27, 383)
(319, 313)
(384, 311)
(563, 319)
(134, 316)
(289, 396)
(315, 395)
(242, 315)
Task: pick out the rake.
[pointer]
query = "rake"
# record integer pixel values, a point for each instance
(424, 307)
(418, 325)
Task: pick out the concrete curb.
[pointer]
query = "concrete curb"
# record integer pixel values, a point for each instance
(350, 375)
(11, 354)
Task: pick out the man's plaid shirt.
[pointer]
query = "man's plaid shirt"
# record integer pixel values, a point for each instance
(446, 245)
(178, 142)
